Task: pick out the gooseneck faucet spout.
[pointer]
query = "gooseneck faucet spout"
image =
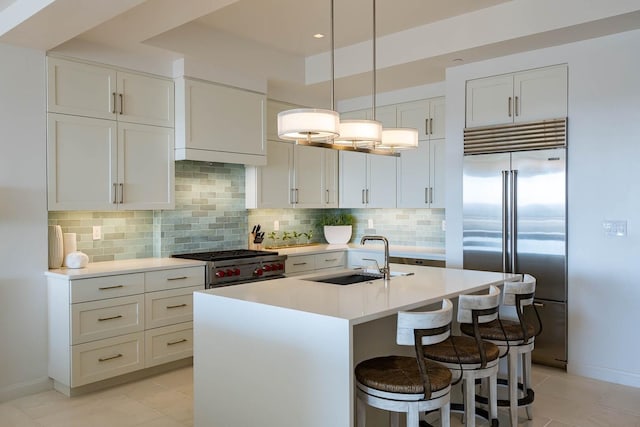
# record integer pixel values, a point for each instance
(386, 272)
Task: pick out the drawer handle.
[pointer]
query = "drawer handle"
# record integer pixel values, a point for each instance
(331, 260)
(177, 306)
(111, 287)
(102, 319)
(177, 278)
(300, 263)
(177, 342)
(104, 359)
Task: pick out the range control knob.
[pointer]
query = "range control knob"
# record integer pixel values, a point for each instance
(258, 272)
(236, 272)
(220, 273)
(228, 273)
(267, 267)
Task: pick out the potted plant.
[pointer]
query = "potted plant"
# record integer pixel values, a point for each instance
(337, 227)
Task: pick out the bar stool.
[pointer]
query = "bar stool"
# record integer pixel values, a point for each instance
(408, 384)
(515, 338)
(472, 358)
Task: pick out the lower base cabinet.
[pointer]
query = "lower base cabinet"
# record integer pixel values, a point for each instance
(324, 262)
(103, 327)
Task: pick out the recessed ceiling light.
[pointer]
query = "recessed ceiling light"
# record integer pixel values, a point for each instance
(318, 35)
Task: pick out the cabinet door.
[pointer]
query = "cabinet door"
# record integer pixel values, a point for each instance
(415, 115)
(413, 177)
(437, 173)
(331, 178)
(81, 89)
(224, 119)
(540, 94)
(145, 167)
(353, 179)
(489, 101)
(437, 121)
(356, 115)
(387, 115)
(308, 182)
(381, 191)
(81, 163)
(274, 180)
(145, 99)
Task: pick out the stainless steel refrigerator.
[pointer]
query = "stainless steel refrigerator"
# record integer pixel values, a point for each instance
(515, 221)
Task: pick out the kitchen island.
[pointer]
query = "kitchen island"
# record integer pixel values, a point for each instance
(282, 352)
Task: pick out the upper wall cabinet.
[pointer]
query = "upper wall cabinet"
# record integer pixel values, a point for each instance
(101, 92)
(519, 97)
(367, 180)
(109, 139)
(217, 123)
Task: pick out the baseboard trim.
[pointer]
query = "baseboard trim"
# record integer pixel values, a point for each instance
(15, 391)
(604, 374)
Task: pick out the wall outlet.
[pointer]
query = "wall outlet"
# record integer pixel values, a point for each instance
(97, 232)
(444, 225)
(615, 228)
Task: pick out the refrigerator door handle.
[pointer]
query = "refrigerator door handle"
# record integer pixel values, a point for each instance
(505, 219)
(514, 219)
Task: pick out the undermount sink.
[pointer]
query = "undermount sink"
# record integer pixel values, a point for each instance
(351, 277)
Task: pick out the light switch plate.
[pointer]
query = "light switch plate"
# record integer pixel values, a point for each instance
(97, 232)
(615, 228)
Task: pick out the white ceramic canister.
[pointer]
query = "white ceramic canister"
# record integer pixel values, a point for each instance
(70, 244)
(56, 246)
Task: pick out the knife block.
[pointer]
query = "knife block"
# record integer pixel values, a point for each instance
(254, 246)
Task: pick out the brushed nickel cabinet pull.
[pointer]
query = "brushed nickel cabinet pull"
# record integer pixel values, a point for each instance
(331, 260)
(111, 287)
(426, 126)
(367, 196)
(509, 106)
(121, 104)
(297, 200)
(327, 197)
(426, 194)
(177, 278)
(104, 359)
(300, 263)
(102, 319)
(431, 126)
(177, 306)
(121, 193)
(115, 193)
(113, 110)
(515, 105)
(363, 202)
(430, 194)
(292, 197)
(177, 342)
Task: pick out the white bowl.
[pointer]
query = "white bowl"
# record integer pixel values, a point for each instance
(337, 234)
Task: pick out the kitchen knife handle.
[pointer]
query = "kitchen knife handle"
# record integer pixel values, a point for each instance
(509, 106)
(121, 104)
(113, 110)
(121, 193)
(115, 193)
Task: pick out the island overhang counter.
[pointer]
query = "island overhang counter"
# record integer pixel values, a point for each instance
(282, 352)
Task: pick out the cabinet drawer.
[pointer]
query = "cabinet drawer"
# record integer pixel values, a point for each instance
(98, 288)
(102, 319)
(164, 308)
(298, 264)
(106, 358)
(175, 278)
(331, 260)
(170, 343)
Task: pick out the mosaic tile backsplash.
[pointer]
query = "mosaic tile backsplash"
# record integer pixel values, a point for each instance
(210, 214)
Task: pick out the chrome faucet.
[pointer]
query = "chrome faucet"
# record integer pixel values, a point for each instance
(386, 272)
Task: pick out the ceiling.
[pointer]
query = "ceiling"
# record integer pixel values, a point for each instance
(271, 41)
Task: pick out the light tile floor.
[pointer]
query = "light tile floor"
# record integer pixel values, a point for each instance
(166, 400)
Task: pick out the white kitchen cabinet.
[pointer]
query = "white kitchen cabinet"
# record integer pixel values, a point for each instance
(367, 180)
(101, 327)
(217, 123)
(323, 262)
(519, 97)
(296, 176)
(421, 171)
(89, 90)
(363, 259)
(385, 114)
(96, 164)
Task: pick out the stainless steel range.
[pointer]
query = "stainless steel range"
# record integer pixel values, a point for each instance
(232, 267)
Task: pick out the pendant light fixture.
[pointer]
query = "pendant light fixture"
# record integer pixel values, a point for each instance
(311, 124)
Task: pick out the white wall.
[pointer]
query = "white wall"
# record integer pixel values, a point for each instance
(603, 172)
(23, 223)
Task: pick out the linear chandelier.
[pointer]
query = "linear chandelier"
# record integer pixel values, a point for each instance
(323, 128)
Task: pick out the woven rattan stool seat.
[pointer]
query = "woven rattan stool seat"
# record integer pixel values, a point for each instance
(399, 374)
(493, 331)
(465, 348)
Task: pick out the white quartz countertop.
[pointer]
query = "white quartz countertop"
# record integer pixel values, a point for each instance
(362, 302)
(108, 268)
(419, 252)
